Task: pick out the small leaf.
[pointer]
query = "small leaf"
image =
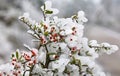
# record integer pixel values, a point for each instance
(17, 55)
(51, 53)
(78, 62)
(74, 17)
(73, 60)
(46, 33)
(13, 55)
(48, 12)
(90, 72)
(87, 53)
(34, 27)
(85, 65)
(39, 30)
(41, 23)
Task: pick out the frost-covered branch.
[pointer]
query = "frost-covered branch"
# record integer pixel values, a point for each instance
(63, 50)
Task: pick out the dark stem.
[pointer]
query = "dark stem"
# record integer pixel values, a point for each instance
(25, 72)
(39, 47)
(44, 16)
(47, 58)
(31, 69)
(43, 12)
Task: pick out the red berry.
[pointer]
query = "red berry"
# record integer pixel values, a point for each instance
(19, 71)
(33, 53)
(71, 39)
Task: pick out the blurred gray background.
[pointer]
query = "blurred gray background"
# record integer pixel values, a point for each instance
(103, 25)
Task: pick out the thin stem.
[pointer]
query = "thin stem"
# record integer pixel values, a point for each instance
(39, 46)
(25, 72)
(35, 32)
(43, 14)
(31, 69)
(47, 58)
